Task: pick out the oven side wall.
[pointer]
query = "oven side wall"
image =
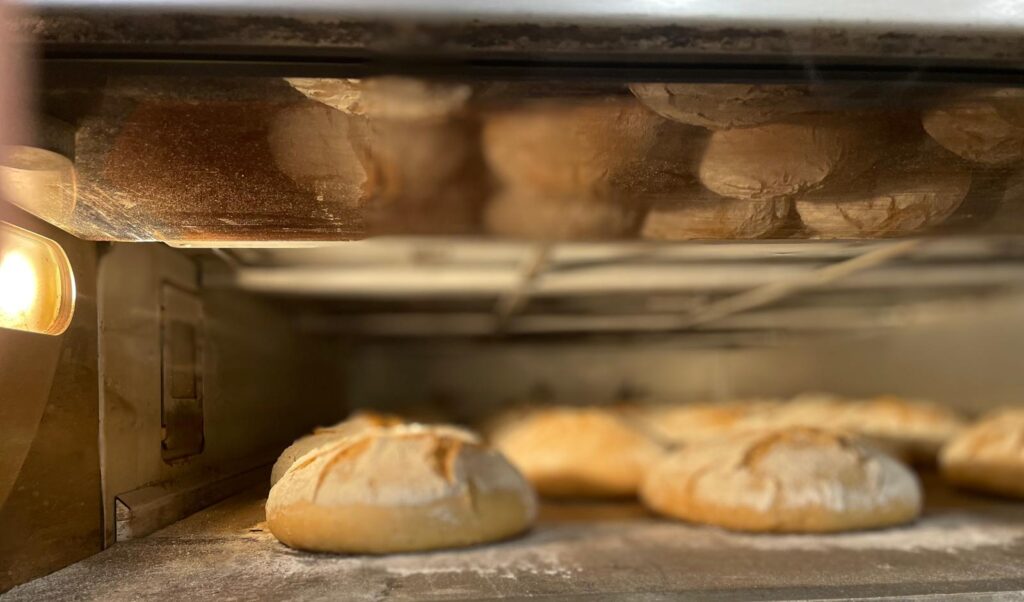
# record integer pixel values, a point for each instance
(49, 456)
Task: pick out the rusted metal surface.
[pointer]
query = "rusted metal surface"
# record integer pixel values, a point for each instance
(334, 32)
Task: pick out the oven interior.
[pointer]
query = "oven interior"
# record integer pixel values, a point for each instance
(237, 285)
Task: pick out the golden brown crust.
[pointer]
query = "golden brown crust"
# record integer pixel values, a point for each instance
(726, 106)
(323, 435)
(988, 456)
(908, 429)
(779, 160)
(784, 480)
(613, 148)
(703, 215)
(976, 130)
(368, 529)
(398, 149)
(398, 489)
(680, 424)
(897, 199)
(388, 97)
(578, 452)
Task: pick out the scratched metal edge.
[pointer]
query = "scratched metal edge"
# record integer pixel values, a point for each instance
(186, 31)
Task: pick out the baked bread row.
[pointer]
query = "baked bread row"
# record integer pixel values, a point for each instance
(375, 485)
(408, 155)
(816, 463)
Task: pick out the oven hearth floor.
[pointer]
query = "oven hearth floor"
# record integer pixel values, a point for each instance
(963, 546)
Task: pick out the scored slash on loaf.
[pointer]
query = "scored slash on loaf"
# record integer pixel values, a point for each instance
(329, 434)
(790, 480)
(399, 489)
(989, 455)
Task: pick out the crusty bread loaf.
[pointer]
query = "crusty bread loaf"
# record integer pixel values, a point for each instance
(787, 158)
(901, 198)
(814, 409)
(1008, 217)
(327, 434)
(391, 98)
(681, 424)
(911, 430)
(1009, 103)
(608, 148)
(989, 455)
(430, 176)
(402, 177)
(976, 130)
(324, 152)
(700, 214)
(577, 452)
(726, 106)
(522, 213)
(399, 489)
(796, 480)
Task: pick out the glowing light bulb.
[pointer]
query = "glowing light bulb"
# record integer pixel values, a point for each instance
(18, 284)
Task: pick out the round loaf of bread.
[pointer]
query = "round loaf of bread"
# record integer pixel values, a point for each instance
(327, 434)
(976, 130)
(894, 201)
(403, 176)
(1009, 103)
(989, 455)
(682, 424)
(578, 452)
(608, 148)
(725, 106)
(815, 409)
(794, 480)
(399, 489)
(785, 159)
(389, 97)
(910, 429)
(429, 176)
(324, 152)
(522, 213)
(704, 215)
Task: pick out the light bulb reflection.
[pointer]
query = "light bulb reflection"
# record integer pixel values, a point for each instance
(18, 284)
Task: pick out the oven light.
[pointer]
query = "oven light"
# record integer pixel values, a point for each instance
(17, 286)
(37, 287)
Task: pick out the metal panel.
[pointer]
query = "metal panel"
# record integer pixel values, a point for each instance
(258, 388)
(954, 29)
(181, 405)
(49, 461)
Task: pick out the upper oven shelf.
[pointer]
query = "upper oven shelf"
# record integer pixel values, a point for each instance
(265, 161)
(875, 32)
(737, 292)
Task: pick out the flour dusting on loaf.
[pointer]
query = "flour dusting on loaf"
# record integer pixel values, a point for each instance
(399, 488)
(328, 434)
(794, 479)
(989, 455)
(783, 159)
